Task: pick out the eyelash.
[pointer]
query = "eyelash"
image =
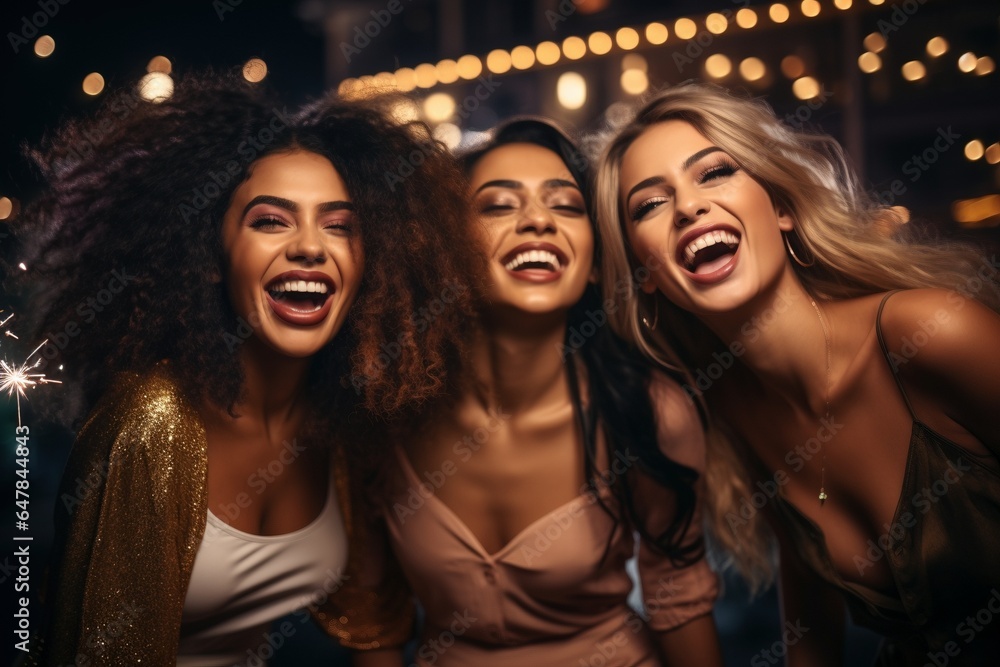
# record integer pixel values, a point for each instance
(720, 170)
(267, 221)
(566, 208)
(270, 222)
(723, 168)
(645, 207)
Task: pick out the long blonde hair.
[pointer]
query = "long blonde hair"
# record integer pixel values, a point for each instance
(858, 245)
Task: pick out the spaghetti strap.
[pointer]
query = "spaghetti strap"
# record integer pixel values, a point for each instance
(887, 355)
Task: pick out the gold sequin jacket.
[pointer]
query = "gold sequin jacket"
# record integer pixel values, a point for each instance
(136, 490)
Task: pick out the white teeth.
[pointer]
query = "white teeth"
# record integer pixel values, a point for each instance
(534, 256)
(709, 239)
(311, 286)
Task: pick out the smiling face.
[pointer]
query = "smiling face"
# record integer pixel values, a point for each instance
(293, 251)
(540, 240)
(710, 227)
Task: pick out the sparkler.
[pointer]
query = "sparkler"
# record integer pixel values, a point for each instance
(14, 378)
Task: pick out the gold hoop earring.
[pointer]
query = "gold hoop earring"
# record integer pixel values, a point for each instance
(788, 244)
(656, 315)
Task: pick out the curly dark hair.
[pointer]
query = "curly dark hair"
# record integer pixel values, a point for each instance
(124, 245)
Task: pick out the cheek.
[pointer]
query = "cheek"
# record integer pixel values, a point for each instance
(647, 245)
(350, 259)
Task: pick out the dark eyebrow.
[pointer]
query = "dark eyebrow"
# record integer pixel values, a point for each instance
(645, 183)
(292, 207)
(560, 183)
(280, 202)
(335, 206)
(511, 185)
(656, 180)
(699, 155)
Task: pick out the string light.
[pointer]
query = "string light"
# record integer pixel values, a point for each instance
(574, 48)
(548, 53)
(778, 12)
(627, 39)
(93, 84)
(159, 64)
(446, 71)
(571, 90)
(685, 28)
(439, 107)
(599, 43)
(805, 88)
(793, 67)
(406, 79)
(914, 70)
(718, 66)
(716, 23)
(156, 87)
(993, 153)
(469, 67)
(44, 46)
(752, 69)
(634, 81)
(522, 57)
(875, 42)
(974, 150)
(746, 18)
(426, 74)
(937, 47)
(656, 33)
(255, 70)
(869, 62)
(967, 62)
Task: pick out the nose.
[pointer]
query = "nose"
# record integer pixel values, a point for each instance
(307, 245)
(536, 219)
(690, 207)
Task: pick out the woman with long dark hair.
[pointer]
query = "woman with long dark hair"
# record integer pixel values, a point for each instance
(263, 267)
(850, 369)
(514, 511)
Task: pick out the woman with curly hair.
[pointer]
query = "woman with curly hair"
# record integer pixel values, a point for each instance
(514, 511)
(851, 368)
(268, 275)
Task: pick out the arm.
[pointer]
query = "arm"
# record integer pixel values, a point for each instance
(679, 600)
(812, 613)
(134, 493)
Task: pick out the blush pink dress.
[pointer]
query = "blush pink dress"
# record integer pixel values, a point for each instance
(547, 597)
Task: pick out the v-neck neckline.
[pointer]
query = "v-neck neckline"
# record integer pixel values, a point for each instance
(470, 538)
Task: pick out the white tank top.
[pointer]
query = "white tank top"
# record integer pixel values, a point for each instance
(242, 582)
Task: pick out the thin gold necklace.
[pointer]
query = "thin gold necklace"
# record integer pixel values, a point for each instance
(826, 399)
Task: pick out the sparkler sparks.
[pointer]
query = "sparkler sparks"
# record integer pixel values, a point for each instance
(14, 379)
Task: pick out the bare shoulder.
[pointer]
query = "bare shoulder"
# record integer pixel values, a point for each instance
(680, 432)
(938, 330)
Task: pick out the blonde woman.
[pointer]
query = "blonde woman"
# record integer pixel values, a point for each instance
(851, 373)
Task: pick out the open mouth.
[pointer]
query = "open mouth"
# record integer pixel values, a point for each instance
(709, 252)
(301, 297)
(535, 257)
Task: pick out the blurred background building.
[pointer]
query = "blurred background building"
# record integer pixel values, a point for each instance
(909, 87)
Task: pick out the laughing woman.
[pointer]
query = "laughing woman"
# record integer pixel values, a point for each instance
(268, 267)
(849, 367)
(513, 515)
